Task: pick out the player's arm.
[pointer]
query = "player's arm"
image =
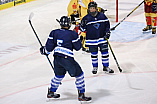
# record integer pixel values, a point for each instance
(107, 29)
(50, 44)
(82, 25)
(76, 42)
(45, 50)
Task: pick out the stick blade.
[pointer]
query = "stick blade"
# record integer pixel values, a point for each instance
(57, 20)
(31, 16)
(120, 70)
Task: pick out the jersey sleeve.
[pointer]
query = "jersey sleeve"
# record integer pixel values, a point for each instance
(82, 25)
(107, 24)
(50, 45)
(76, 42)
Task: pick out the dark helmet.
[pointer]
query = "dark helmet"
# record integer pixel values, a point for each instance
(65, 21)
(93, 4)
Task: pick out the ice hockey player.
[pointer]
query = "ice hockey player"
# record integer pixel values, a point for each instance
(63, 41)
(97, 28)
(78, 9)
(150, 7)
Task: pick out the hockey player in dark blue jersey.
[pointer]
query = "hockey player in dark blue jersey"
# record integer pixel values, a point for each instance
(63, 41)
(97, 28)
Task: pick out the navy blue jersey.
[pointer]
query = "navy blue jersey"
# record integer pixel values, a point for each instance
(63, 41)
(96, 28)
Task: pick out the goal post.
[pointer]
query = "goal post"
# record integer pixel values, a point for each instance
(112, 7)
(116, 10)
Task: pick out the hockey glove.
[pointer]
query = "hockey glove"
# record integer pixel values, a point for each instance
(73, 21)
(107, 35)
(81, 38)
(43, 51)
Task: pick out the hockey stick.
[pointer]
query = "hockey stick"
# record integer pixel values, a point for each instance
(114, 56)
(113, 28)
(30, 18)
(72, 22)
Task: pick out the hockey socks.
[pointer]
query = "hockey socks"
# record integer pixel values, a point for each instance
(94, 57)
(105, 58)
(55, 82)
(80, 83)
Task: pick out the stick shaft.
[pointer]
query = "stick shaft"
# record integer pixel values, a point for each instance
(114, 56)
(40, 42)
(127, 16)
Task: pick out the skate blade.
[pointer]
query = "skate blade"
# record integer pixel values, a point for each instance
(146, 32)
(106, 72)
(86, 53)
(85, 102)
(51, 99)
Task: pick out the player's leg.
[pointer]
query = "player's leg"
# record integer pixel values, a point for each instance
(56, 81)
(94, 57)
(80, 83)
(75, 70)
(148, 22)
(147, 9)
(105, 58)
(154, 22)
(83, 38)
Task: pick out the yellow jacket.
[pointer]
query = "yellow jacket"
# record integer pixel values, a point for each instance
(73, 7)
(149, 2)
(78, 6)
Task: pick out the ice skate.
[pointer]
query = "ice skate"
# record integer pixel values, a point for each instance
(107, 70)
(95, 69)
(83, 98)
(154, 30)
(147, 28)
(51, 94)
(85, 50)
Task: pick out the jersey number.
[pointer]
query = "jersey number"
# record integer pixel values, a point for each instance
(59, 42)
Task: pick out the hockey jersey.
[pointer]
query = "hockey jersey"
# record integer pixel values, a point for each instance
(96, 28)
(149, 2)
(63, 41)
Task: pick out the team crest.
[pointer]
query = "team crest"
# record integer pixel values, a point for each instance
(96, 25)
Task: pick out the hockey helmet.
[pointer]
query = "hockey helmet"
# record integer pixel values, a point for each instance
(93, 4)
(65, 21)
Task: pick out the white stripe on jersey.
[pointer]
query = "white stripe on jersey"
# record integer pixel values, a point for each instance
(97, 21)
(95, 42)
(50, 37)
(64, 51)
(75, 40)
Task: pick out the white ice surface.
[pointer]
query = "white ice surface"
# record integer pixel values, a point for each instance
(25, 75)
